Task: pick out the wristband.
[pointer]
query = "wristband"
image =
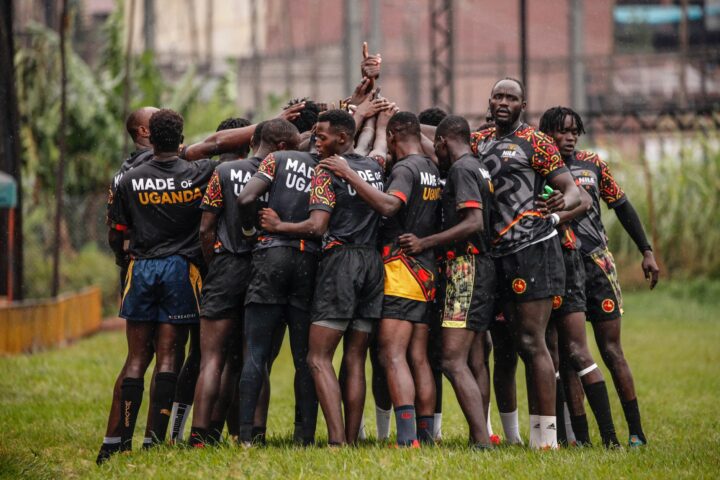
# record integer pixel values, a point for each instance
(554, 218)
(249, 232)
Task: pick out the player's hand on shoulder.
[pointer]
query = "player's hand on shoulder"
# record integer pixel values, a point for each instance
(337, 165)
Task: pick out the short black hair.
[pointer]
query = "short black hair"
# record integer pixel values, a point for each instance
(553, 120)
(233, 122)
(278, 130)
(454, 126)
(339, 120)
(308, 116)
(404, 124)
(519, 83)
(432, 116)
(134, 122)
(257, 135)
(166, 130)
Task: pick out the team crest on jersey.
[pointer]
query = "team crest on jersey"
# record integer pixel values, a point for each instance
(509, 152)
(557, 302)
(608, 305)
(519, 285)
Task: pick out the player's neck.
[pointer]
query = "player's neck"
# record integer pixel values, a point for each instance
(459, 150)
(142, 144)
(165, 156)
(503, 129)
(405, 148)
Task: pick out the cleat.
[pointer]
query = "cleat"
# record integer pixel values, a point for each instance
(495, 439)
(635, 441)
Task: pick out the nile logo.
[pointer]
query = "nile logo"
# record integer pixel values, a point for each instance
(519, 285)
(608, 305)
(557, 301)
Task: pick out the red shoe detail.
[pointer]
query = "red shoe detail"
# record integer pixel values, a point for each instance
(415, 444)
(495, 439)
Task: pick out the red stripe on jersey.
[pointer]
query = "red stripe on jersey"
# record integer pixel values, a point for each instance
(399, 195)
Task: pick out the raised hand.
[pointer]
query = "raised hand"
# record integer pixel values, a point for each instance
(292, 112)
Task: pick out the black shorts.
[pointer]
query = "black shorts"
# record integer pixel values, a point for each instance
(573, 300)
(533, 273)
(349, 284)
(468, 293)
(282, 276)
(227, 280)
(602, 288)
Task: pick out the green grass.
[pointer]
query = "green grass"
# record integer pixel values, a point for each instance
(53, 410)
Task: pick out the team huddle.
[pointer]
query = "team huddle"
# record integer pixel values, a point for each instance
(413, 238)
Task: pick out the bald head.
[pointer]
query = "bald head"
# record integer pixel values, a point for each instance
(138, 125)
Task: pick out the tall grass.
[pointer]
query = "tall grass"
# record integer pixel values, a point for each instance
(685, 190)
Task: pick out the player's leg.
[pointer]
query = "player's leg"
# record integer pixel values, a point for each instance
(306, 401)
(505, 357)
(187, 379)
(551, 339)
(573, 340)
(166, 345)
(380, 391)
(457, 343)
(263, 405)
(353, 385)
(323, 343)
(393, 341)
(435, 357)
(424, 382)
(215, 337)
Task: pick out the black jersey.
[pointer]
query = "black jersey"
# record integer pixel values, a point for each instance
(289, 174)
(519, 164)
(226, 183)
(416, 181)
(352, 221)
(593, 174)
(159, 202)
(138, 157)
(468, 185)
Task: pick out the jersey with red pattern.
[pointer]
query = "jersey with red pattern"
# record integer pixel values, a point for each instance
(520, 165)
(593, 174)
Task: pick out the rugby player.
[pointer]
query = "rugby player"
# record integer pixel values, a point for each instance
(410, 206)
(282, 282)
(521, 162)
(602, 289)
(348, 290)
(138, 127)
(157, 202)
(468, 287)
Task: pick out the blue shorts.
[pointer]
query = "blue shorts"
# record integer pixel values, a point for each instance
(165, 290)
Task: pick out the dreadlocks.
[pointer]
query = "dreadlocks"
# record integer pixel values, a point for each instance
(553, 120)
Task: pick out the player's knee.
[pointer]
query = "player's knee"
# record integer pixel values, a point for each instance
(528, 345)
(613, 354)
(451, 366)
(315, 361)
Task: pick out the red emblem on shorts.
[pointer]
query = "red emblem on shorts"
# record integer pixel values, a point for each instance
(519, 285)
(557, 301)
(608, 305)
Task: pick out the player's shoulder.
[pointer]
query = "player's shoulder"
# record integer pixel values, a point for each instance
(481, 135)
(533, 135)
(589, 157)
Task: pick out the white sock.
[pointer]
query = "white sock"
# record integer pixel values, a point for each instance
(361, 433)
(535, 427)
(548, 431)
(568, 426)
(147, 441)
(437, 426)
(178, 417)
(111, 440)
(511, 427)
(489, 423)
(382, 422)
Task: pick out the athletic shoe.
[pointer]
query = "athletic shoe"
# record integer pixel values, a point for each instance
(635, 441)
(495, 439)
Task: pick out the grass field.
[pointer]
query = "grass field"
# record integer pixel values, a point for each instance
(53, 410)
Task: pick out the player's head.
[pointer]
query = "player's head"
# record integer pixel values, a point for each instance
(432, 116)
(166, 131)
(507, 101)
(335, 132)
(236, 122)
(453, 130)
(279, 134)
(308, 116)
(138, 123)
(564, 125)
(256, 138)
(402, 127)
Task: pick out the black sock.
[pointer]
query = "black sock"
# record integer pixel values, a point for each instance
(198, 437)
(107, 449)
(597, 396)
(580, 427)
(632, 416)
(560, 412)
(258, 435)
(425, 429)
(245, 433)
(131, 393)
(161, 403)
(438, 377)
(405, 423)
(215, 432)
